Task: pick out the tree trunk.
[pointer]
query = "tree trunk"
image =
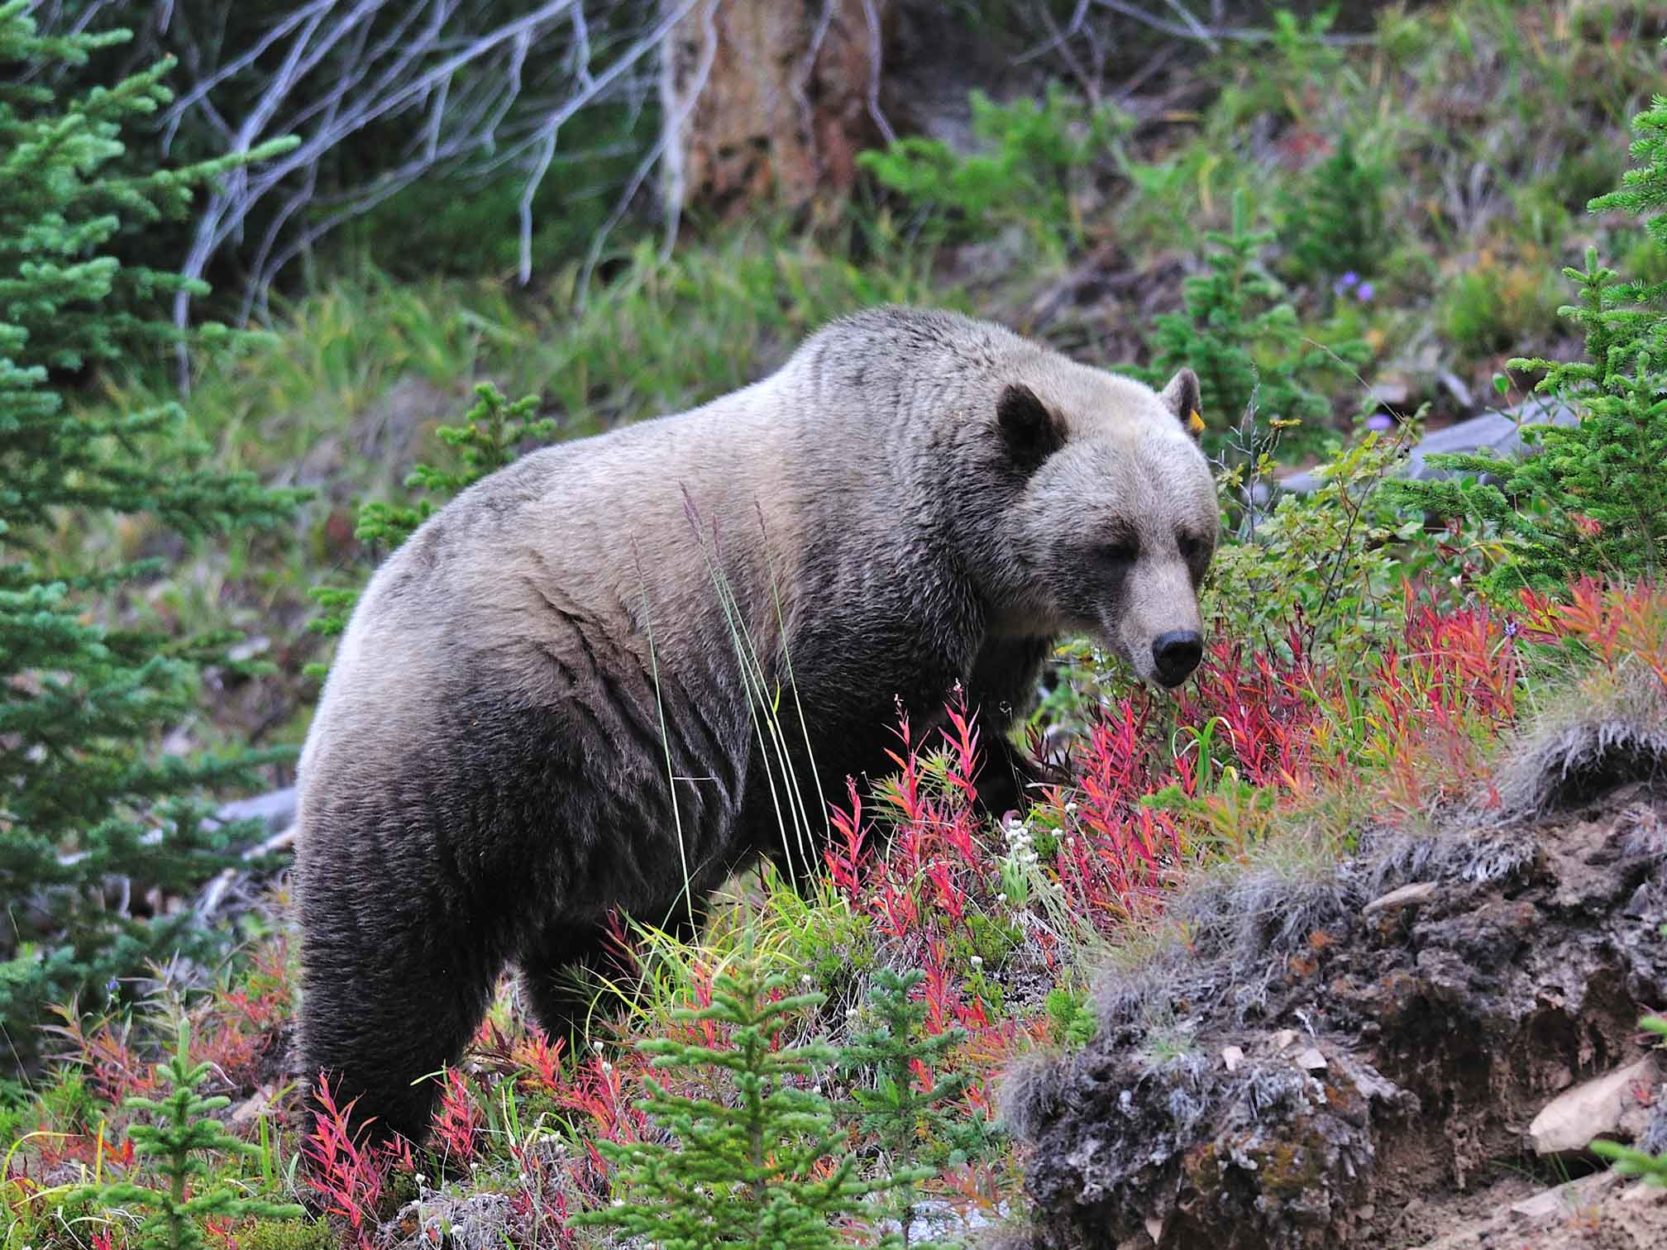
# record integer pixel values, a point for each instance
(771, 100)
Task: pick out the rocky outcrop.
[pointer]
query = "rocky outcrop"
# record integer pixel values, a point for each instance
(1396, 1063)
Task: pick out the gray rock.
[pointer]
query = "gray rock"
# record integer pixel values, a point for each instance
(1498, 431)
(275, 811)
(1597, 1108)
(1409, 895)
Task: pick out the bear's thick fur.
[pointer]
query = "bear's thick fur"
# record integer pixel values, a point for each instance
(620, 669)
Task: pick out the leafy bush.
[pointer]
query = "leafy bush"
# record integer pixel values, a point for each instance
(1592, 499)
(1322, 573)
(93, 821)
(1333, 223)
(1237, 330)
(1495, 303)
(1033, 154)
(1292, 75)
(1072, 1022)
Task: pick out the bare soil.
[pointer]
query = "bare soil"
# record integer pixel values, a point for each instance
(1372, 1082)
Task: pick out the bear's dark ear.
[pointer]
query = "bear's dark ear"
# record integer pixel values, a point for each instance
(1032, 433)
(1182, 398)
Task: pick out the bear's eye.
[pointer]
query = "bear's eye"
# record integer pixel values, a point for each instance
(1118, 554)
(1191, 545)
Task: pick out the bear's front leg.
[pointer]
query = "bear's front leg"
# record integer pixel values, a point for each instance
(1001, 689)
(388, 1000)
(563, 963)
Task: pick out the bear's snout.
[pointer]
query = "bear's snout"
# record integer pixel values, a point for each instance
(1176, 654)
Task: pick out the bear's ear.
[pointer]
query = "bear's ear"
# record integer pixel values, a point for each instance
(1182, 398)
(1032, 433)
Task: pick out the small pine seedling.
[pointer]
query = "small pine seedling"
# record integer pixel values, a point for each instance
(909, 1105)
(763, 1167)
(178, 1145)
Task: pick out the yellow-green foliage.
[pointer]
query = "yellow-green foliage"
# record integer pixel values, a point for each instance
(1031, 156)
(288, 1235)
(181, 1141)
(1325, 565)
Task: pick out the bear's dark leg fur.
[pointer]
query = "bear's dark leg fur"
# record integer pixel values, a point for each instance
(414, 998)
(559, 967)
(556, 972)
(1002, 687)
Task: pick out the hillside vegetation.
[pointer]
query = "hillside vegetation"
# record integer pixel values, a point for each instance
(1354, 237)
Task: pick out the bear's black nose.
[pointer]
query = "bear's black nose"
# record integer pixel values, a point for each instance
(1177, 653)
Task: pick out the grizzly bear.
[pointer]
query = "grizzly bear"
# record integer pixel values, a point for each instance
(610, 675)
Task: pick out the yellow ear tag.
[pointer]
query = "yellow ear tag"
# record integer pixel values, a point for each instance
(1195, 422)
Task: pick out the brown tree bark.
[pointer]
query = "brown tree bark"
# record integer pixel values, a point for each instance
(771, 100)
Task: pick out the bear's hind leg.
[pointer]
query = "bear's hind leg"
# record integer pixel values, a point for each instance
(558, 976)
(380, 1016)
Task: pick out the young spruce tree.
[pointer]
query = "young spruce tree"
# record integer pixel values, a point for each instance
(177, 1143)
(905, 1099)
(762, 1164)
(1592, 498)
(91, 818)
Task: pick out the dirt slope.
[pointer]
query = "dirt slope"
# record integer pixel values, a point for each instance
(1374, 1073)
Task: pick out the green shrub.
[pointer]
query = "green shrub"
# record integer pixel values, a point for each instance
(1494, 304)
(1071, 1021)
(183, 1130)
(1643, 194)
(1294, 72)
(1333, 222)
(1237, 330)
(85, 804)
(1032, 154)
(1325, 567)
(288, 1235)
(1591, 499)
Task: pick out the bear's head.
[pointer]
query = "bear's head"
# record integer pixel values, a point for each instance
(1114, 520)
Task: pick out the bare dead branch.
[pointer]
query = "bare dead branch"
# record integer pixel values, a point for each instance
(381, 94)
